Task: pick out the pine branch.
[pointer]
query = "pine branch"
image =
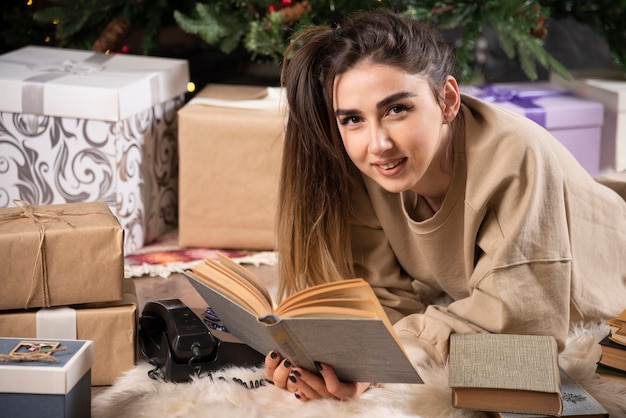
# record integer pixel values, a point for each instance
(225, 31)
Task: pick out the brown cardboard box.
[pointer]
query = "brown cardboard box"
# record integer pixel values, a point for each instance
(229, 167)
(111, 326)
(59, 255)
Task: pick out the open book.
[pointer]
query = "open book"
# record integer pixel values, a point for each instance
(341, 324)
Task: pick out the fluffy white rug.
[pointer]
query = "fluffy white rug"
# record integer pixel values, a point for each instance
(136, 395)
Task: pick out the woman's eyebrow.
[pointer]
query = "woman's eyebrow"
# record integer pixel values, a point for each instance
(394, 97)
(380, 105)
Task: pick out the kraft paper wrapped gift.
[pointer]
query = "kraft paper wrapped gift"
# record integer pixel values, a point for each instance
(574, 121)
(46, 389)
(111, 326)
(230, 145)
(85, 127)
(60, 254)
(607, 86)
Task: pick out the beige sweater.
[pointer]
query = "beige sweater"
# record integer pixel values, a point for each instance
(526, 242)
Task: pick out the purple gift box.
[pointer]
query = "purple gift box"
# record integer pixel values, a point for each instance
(574, 121)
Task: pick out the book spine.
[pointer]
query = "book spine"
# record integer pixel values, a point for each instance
(290, 346)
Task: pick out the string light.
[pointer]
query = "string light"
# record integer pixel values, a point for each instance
(191, 87)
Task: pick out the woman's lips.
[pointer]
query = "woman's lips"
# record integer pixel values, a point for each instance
(390, 167)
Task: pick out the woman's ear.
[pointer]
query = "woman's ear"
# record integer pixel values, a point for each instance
(451, 99)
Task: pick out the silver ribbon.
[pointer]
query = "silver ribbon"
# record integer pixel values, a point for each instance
(33, 87)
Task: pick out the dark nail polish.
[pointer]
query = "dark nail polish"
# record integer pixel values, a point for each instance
(269, 381)
(297, 373)
(318, 366)
(293, 379)
(287, 364)
(273, 355)
(296, 395)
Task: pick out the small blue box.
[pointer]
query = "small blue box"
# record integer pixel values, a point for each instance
(47, 389)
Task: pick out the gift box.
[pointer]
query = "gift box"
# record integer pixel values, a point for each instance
(85, 127)
(574, 121)
(111, 326)
(60, 254)
(230, 144)
(608, 87)
(58, 388)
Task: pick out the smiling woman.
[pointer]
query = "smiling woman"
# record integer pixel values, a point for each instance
(395, 131)
(391, 174)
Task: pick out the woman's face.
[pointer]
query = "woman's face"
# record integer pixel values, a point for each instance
(393, 128)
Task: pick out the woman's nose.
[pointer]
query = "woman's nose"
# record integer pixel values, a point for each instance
(380, 141)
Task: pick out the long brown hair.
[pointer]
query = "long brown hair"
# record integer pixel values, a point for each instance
(313, 217)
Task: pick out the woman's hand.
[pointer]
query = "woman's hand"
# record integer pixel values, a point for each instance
(305, 385)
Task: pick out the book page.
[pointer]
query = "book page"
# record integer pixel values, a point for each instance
(365, 307)
(508, 400)
(215, 275)
(247, 275)
(357, 289)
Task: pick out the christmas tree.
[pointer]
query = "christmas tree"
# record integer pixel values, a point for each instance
(264, 28)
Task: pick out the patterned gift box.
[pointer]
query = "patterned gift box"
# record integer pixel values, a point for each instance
(61, 388)
(77, 126)
(230, 144)
(607, 86)
(574, 121)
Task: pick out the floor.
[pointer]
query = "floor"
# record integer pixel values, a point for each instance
(176, 286)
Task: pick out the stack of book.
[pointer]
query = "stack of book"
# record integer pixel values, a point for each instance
(515, 376)
(613, 360)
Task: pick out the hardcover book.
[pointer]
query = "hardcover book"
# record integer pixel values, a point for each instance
(577, 403)
(341, 323)
(618, 329)
(505, 373)
(613, 354)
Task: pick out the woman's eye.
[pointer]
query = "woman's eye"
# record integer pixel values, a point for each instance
(396, 109)
(350, 120)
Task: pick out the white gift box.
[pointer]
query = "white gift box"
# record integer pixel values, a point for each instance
(78, 126)
(48, 389)
(608, 87)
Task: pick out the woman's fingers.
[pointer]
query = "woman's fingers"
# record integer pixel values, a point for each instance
(306, 385)
(272, 361)
(277, 369)
(309, 385)
(338, 389)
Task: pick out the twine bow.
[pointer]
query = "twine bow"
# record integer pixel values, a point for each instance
(46, 356)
